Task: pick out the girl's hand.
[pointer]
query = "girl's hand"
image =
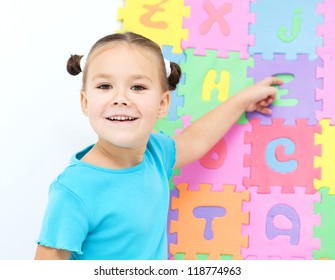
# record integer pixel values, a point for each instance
(262, 94)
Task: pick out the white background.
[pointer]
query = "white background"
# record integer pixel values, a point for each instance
(41, 123)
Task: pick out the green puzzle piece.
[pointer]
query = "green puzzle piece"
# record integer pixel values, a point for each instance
(210, 80)
(326, 231)
(181, 256)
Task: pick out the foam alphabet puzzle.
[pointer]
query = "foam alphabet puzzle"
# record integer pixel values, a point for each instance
(266, 190)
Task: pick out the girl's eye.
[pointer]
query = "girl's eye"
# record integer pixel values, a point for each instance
(138, 88)
(104, 86)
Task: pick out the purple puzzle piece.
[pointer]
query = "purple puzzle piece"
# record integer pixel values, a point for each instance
(302, 88)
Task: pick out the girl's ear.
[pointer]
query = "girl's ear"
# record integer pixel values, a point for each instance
(164, 105)
(83, 102)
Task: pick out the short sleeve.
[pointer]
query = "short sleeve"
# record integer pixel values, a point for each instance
(166, 147)
(66, 221)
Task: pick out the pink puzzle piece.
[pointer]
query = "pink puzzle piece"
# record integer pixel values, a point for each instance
(327, 93)
(327, 29)
(223, 164)
(282, 156)
(281, 225)
(219, 25)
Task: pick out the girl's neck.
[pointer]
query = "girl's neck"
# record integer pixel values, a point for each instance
(112, 157)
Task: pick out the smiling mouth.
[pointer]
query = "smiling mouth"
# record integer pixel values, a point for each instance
(121, 118)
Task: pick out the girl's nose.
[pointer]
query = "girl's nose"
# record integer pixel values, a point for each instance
(120, 99)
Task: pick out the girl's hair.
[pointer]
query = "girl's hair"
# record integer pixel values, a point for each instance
(170, 83)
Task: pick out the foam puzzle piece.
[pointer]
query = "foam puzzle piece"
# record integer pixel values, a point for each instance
(218, 25)
(211, 80)
(326, 161)
(167, 126)
(223, 163)
(176, 100)
(171, 122)
(281, 225)
(300, 89)
(217, 234)
(160, 21)
(326, 231)
(327, 9)
(291, 161)
(327, 93)
(293, 32)
(172, 216)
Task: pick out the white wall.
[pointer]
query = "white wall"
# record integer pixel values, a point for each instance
(41, 124)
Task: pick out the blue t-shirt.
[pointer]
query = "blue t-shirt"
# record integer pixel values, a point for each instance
(99, 213)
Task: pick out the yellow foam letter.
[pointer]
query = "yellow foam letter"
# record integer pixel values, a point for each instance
(222, 86)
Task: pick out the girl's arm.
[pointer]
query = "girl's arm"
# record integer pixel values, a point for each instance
(47, 253)
(198, 138)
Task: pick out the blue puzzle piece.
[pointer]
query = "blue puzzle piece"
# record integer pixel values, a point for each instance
(176, 100)
(286, 27)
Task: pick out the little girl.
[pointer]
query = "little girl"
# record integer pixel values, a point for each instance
(112, 201)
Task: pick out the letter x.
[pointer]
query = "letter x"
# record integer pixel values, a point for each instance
(216, 16)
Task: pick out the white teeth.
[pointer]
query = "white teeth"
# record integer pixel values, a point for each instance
(121, 118)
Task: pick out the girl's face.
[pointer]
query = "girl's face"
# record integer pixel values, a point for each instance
(123, 96)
